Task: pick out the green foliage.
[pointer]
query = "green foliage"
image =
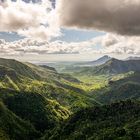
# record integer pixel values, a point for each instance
(90, 82)
(121, 89)
(112, 122)
(14, 128)
(42, 113)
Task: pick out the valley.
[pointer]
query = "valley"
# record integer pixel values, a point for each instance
(80, 101)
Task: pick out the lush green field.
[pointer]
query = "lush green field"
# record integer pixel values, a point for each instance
(92, 82)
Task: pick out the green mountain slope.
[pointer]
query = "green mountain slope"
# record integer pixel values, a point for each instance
(39, 94)
(44, 100)
(19, 67)
(44, 80)
(115, 66)
(125, 88)
(43, 113)
(112, 122)
(32, 71)
(14, 128)
(111, 67)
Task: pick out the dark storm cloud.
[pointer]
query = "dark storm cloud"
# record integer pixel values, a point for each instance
(118, 16)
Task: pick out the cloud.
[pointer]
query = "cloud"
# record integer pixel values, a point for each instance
(116, 16)
(111, 44)
(120, 44)
(31, 46)
(109, 39)
(37, 20)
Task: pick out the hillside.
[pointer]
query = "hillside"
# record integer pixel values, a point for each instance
(115, 66)
(112, 122)
(121, 89)
(13, 127)
(32, 71)
(43, 113)
(19, 67)
(41, 98)
(78, 66)
(111, 67)
(39, 95)
(45, 80)
(98, 62)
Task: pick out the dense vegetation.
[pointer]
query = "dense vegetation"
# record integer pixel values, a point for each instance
(111, 122)
(39, 96)
(37, 102)
(42, 113)
(127, 87)
(14, 128)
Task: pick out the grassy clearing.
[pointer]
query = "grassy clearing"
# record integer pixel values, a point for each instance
(89, 83)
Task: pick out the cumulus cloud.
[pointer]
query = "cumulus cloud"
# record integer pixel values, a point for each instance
(30, 46)
(34, 19)
(117, 16)
(120, 44)
(111, 44)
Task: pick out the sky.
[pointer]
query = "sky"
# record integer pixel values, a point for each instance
(69, 30)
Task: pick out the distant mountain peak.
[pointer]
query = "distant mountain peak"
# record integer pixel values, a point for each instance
(99, 61)
(114, 60)
(115, 66)
(133, 58)
(105, 56)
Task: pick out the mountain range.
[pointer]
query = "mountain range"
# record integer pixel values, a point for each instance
(38, 95)
(37, 102)
(113, 66)
(97, 62)
(133, 58)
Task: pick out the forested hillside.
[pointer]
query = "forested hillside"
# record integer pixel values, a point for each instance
(37, 102)
(111, 122)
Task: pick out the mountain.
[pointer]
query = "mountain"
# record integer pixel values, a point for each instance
(39, 95)
(111, 122)
(45, 80)
(13, 127)
(43, 113)
(30, 70)
(78, 66)
(111, 67)
(99, 61)
(37, 100)
(115, 66)
(133, 58)
(19, 68)
(121, 89)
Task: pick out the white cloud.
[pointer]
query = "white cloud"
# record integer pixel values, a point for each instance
(30, 46)
(121, 44)
(36, 20)
(111, 44)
